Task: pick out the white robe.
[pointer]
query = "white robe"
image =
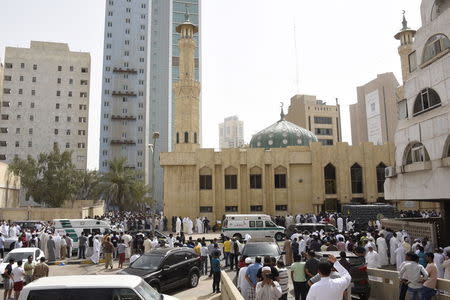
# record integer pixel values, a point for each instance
(185, 225)
(340, 224)
(349, 225)
(393, 244)
(438, 260)
(190, 226)
(399, 256)
(127, 240)
(178, 226)
(382, 251)
(96, 255)
(242, 283)
(373, 260)
(378, 224)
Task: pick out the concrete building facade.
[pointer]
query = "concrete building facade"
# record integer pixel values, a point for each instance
(141, 62)
(422, 137)
(316, 116)
(45, 101)
(374, 117)
(9, 188)
(231, 133)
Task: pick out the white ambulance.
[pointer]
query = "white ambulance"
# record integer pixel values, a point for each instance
(256, 225)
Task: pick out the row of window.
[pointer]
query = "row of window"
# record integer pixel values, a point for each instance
(35, 67)
(323, 120)
(30, 144)
(8, 91)
(253, 208)
(435, 45)
(324, 131)
(186, 138)
(34, 79)
(231, 182)
(416, 152)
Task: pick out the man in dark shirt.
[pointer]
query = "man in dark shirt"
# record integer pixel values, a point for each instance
(268, 263)
(314, 244)
(312, 265)
(115, 242)
(82, 246)
(294, 246)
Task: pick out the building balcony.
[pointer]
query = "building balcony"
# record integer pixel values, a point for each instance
(123, 142)
(417, 167)
(129, 118)
(124, 70)
(124, 93)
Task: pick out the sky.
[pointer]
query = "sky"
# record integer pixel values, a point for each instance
(252, 51)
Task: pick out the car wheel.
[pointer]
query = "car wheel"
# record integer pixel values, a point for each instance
(237, 236)
(193, 279)
(279, 236)
(12, 246)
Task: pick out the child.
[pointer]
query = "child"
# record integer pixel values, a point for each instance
(121, 248)
(215, 267)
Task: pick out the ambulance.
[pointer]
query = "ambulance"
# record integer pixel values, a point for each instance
(256, 225)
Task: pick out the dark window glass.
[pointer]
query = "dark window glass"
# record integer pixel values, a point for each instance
(195, 137)
(206, 209)
(255, 181)
(280, 181)
(178, 138)
(380, 177)
(205, 182)
(323, 120)
(256, 208)
(356, 173)
(231, 208)
(330, 179)
(281, 207)
(47, 294)
(252, 223)
(230, 182)
(125, 294)
(186, 137)
(427, 99)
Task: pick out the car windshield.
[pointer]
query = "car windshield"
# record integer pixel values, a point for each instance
(147, 262)
(261, 249)
(147, 292)
(17, 256)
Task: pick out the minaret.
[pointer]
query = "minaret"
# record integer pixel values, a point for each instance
(187, 91)
(406, 37)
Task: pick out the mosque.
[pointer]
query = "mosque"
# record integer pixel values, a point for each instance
(283, 171)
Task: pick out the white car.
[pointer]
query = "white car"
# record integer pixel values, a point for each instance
(20, 254)
(98, 287)
(10, 242)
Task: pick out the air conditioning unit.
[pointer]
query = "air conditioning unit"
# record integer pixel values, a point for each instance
(390, 172)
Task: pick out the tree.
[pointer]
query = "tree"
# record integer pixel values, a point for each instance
(88, 185)
(121, 187)
(51, 179)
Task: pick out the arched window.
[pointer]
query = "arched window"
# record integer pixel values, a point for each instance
(329, 173)
(380, 177)
(178, 137)
(434, 46)
(415, 152)
(447, 148)
(186, 137)
(427, 99)
(356, 174)
(195, 137)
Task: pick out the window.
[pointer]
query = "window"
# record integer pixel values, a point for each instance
(5, 103)
(33, 93)
(281, 208)
(57, 105)
(67, 145)
(426, 100)
(58, 80)
(70, 81)
(69, 94)
(402, 108)
(33, 79)
(6, 91)
(206, 209)
(19, 117)
(205, 182)
(230, 182)
(178, 138)
(20, 91)
(5, 117)
(323, 120)
(69, 119)
(21, 78)
(2, 157)
(257, 208)
(58, 93)
(82, 146)
(195, 137)
(84, 70)
(412, 61)
(255, 181)
(30, 130)
(7, 78)
(56, 131)
(32, 105)
(231, 208)
(434, 46)
(34, 67)
(326, 142)
(380, 177)
(329, 173)
(280, 181)
(56, 118)
(17, 144)
(30, 144)
(415, 152)
(68, 132)
(9, 65)
(356, 174)
(186, 137)
(59, 68)
(324, 131)
(31, 118)
(3, 130)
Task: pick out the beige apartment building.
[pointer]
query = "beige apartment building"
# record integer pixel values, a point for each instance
(45, 101)
(231, 133)
(374, 117)
(315, 115)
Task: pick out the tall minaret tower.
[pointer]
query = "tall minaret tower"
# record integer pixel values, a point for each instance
(406, 37)
(187, 91)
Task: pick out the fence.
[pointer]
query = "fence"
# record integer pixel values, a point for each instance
(414, 229)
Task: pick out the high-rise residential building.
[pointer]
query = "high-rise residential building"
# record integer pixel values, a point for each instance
(231, 133)
(374, 117)
(141, 63)
(45, 101)
(315, 115)
(422, 136)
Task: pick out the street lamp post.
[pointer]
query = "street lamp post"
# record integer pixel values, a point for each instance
(153, 210)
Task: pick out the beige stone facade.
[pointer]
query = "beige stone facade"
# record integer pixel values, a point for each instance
(374, 117)
(276, 181)
(315, 115)
(9, 188)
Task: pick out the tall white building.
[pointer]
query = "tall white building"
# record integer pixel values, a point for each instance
(231, 133)
(141, 60)
(45, 101)
(422, 137)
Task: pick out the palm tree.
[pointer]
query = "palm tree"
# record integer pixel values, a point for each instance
(122, 188)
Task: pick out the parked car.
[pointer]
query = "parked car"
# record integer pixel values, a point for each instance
(91, 287)
(167, 268)
(351, 257)
(261, 248)
(20, 254)
(10, 242)
(310, 227)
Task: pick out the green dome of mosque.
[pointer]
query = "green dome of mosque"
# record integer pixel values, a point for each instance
(282, 134)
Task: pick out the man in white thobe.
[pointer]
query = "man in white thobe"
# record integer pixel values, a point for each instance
(242, 283)
(349, 225)
(185, 225)
(340, 224)
(400, 254)
(382, 250)
(127, 239)
(373, 259)
(96, 250)
(190, 225)
(393, 244)
(267, 289)
(178, 226)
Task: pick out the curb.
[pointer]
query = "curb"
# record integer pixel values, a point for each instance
(74, 262)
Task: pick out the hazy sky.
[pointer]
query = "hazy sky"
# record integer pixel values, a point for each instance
(248, 52)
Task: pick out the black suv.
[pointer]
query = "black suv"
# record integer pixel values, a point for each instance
(167, 268)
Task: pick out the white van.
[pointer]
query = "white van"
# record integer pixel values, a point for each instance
(88, 287)
(74, 227)
(257, 226)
